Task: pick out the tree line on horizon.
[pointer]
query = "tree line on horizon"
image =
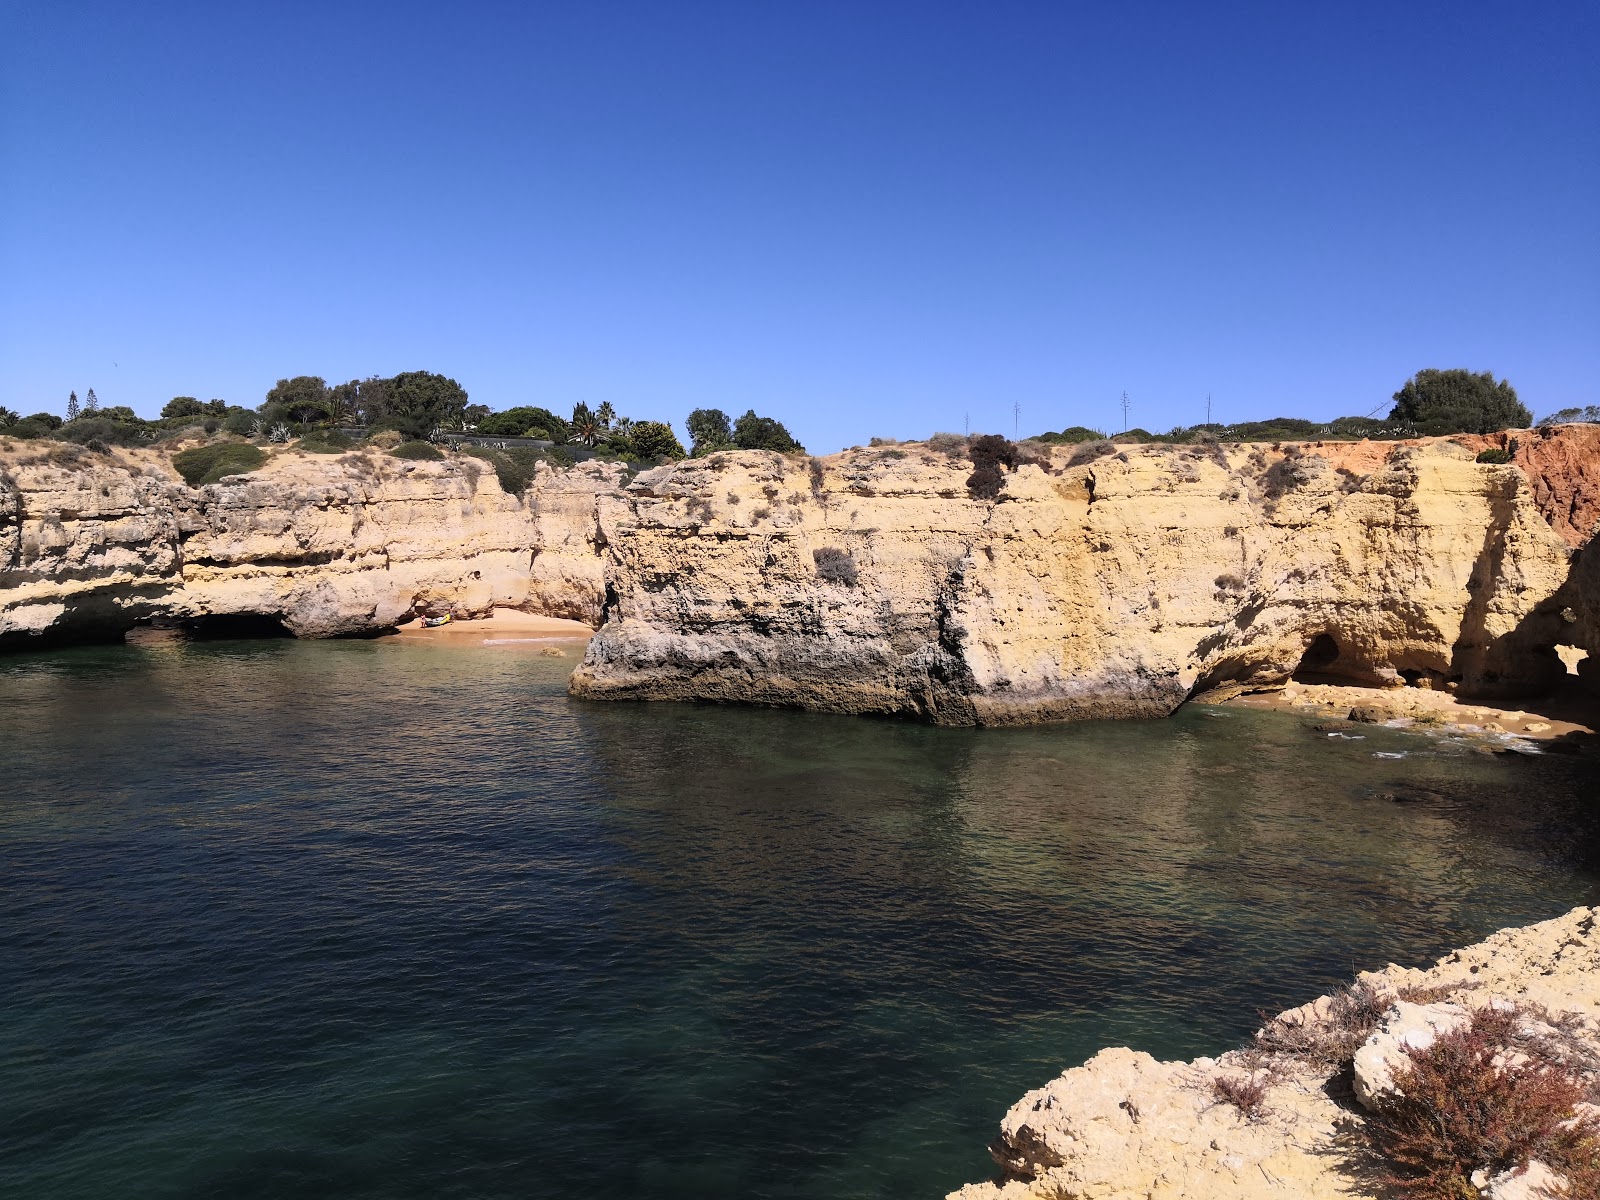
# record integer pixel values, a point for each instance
(419, 405)
(1432, 403)
(424, 406)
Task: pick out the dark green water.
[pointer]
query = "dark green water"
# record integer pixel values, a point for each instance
(361, 919)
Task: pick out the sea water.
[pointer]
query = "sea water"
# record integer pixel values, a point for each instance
(370, 919)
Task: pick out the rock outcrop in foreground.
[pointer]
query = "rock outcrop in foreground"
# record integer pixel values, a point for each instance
(1126, 1127)
(1115, 586)
(92, 544)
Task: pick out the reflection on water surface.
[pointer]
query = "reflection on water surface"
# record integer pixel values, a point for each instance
(353, 919)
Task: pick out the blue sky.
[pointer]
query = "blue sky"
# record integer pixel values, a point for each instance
(861, 218)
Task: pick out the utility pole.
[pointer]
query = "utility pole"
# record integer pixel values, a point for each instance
(966, 424)
(1016, 419)
(1208, 408)
(1124, 412)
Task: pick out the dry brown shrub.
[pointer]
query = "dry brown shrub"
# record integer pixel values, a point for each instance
(1247, 1093)
(1476, 1099)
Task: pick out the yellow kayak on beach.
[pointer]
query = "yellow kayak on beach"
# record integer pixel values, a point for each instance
(435, 622)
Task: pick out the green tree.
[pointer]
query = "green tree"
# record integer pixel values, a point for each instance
(216, 408)
(91, 403)
(73, 407)
(751, 432)
(516, 422)
(303, 398)
(709, 429)
(422, 402)
(605, 414)
(182, 406)
(474, 415)
(1587, 415)
(1456, 401)
(585, 425)
(654, 439)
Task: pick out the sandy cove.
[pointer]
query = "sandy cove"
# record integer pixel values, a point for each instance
(505, 627)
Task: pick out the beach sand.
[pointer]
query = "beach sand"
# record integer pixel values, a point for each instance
(504, 627)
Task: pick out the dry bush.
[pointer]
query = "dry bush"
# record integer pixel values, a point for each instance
(814, 466)
(952, 445)
(760, 514)
(835, 565)
(1088, 452)
(1470, 1102)
(733, 497)
(883, 441)
(1247, 1093)
(1329, 1042)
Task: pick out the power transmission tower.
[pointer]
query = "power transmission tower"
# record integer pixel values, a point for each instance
(1208, 408)
(1016, 419)
(1124, 412)
(966, 424)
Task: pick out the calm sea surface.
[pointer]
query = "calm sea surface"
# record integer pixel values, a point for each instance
(368, 919)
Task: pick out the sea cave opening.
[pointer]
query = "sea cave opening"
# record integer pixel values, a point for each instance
(1318, 658)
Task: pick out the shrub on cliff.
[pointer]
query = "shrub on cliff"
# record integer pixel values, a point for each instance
(1087, 452)
(514, 468)
(417, 450)
(1070, 436)
(989, 453)
(1456, 401)
(1482, 1098)
(835, 565)
(207, 464)
(325, 441)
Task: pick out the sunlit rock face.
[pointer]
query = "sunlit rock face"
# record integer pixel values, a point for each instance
(875, 582)
(92, 544)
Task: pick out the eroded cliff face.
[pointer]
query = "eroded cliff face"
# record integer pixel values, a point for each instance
(873, 582)
(92, 544)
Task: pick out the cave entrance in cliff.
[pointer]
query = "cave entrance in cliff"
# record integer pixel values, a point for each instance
(1318, 658)
(236, 625)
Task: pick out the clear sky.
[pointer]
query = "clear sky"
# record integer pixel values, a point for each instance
(863, 218)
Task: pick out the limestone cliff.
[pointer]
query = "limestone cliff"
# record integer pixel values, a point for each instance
(1125, 1125)
(1118, 585)
(93, 543)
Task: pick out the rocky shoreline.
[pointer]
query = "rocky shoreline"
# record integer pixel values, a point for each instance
(1287, 1115)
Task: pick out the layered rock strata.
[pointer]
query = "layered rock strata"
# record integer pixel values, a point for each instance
(1124, 1125)
(93, 544)
(1120, 585)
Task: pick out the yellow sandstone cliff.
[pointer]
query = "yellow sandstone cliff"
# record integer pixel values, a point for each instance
(873, 581)
(1120, 585)
(91, 544)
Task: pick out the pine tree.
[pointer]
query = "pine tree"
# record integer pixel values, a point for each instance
(72, 407)
(90, 403)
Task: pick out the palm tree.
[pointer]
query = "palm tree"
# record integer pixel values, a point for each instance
(605, 414)
(7, 417)
(586, 428)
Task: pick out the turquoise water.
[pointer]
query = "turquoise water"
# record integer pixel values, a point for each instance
(367, 919)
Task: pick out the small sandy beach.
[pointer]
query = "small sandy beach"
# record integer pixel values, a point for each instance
(504, 627)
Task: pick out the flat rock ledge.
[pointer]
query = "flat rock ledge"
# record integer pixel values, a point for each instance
(1126, 1127)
